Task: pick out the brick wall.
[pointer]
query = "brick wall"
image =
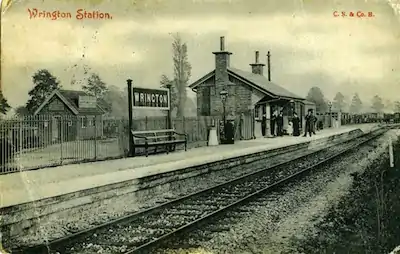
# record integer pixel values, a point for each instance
(239, 98)
(222, 60)
(207, 86)
(257, 68)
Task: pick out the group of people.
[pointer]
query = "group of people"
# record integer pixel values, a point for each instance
(293, 127)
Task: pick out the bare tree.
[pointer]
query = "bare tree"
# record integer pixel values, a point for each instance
(182, 71)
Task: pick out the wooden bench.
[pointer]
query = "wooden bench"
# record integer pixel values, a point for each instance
(158, 138)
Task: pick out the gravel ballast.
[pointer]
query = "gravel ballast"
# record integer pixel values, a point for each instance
(289, 215)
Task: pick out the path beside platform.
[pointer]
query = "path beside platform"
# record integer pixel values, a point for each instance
(26, 186)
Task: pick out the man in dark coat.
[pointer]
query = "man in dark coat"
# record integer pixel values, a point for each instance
(296, 125)
(314, 122)
(279, 123)
(273, 121)
(263, 124)
(309, 122)
(229, 132)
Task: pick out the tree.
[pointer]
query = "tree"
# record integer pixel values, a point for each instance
(182, 72)
(117, 101)
(377, 104)
(21, 111)
(95, 86)
(4, 106)
(44, 84)
(339, 102)
(164, 82)
(389, 106)
(396, 106)
(315, 95)
(356, 104)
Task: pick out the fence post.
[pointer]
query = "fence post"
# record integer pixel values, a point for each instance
(130, 117)
(20, 137)
(184, 124)
(61, 137)
(198, 136)
(95, 137)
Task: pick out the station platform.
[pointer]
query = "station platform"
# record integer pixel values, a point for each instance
(27, 186)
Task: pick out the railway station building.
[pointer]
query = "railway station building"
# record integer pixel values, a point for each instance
(250, 94)
(71, 115)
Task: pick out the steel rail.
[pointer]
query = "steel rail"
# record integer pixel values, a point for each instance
(145, 248)
(46, 247)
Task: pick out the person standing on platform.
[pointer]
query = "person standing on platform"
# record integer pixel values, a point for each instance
(296, 125)
(314, 122)
(309, 122)
(279, 123)
(290, 128)
(273, 121)
(263, 124)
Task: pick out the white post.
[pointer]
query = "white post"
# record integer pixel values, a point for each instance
(391, 153)
(212, 138)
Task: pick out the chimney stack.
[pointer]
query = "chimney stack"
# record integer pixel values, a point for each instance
(257, 68)
(269, 66)
(222, 58)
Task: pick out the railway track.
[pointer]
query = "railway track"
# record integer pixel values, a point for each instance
(145, 231)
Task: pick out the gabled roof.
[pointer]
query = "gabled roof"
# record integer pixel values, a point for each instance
(202, 79)
(70, 99)
(73, 96)
(257, 81)
(264, 84)
(308, 102)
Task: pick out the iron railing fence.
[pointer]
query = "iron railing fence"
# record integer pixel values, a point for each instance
(33, 142)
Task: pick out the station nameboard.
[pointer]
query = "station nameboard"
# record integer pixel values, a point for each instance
(87, 102)
(150, 98)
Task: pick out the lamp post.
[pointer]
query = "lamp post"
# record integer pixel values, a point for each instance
(224, 95)
(169, 86)
(330, 113)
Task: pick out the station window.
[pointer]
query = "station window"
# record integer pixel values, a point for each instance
(84, 121)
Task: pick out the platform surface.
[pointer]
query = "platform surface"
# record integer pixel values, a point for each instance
(26, 186)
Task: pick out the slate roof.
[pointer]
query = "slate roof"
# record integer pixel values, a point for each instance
(73, 98)
(255, 80)
(308, 102)
(262, 82)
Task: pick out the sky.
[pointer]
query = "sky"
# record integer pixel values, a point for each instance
(309, 46)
